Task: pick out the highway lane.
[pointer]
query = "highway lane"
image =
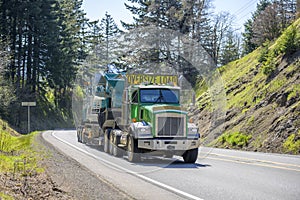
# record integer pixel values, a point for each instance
(217, 174)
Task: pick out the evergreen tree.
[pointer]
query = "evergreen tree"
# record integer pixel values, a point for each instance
(45, 46)
(186, 16)
(266, 25)
(230, 50)
(7, 95)
(248, 35)
(267, 22)
(108, 30)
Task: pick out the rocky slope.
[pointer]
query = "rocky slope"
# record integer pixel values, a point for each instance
(263, 100)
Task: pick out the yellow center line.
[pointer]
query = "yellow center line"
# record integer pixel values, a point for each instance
(255, 164)
(257, 160)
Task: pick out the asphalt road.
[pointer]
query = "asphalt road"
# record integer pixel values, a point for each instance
(217, 174)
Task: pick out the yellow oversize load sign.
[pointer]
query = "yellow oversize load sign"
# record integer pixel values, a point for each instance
(136, 79)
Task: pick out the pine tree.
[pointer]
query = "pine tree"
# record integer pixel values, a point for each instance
(230, 50)
(266, 25)
(7, 95)
(44, 43)
(109, 30)
(267, 22)
(248, 35)
(65, 48)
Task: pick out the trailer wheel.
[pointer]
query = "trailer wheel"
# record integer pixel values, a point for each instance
(190, 156)
(132, 150)
(106, 141)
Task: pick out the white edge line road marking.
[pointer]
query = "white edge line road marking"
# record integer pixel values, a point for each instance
(167, 187)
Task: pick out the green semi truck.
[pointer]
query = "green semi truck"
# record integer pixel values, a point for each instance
(140, 115)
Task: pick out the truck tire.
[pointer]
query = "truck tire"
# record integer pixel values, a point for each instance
(132, 150)
(111, 146)
(106, 145)
(190, 156)
(83, 138)
(115, 150)
(78, 136)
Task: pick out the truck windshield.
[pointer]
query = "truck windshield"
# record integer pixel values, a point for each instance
(159, 95)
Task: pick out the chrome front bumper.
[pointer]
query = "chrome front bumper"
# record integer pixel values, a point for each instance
(172, 145)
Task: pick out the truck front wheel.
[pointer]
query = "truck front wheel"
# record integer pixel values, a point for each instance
(115, 150)
(190, 156)
(132, 150)
(83, 138)
(106, 145)
(79, 136)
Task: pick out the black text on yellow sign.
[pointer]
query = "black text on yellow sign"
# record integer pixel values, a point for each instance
(136, 79)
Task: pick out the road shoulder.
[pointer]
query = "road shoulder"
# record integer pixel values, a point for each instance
(75, 179)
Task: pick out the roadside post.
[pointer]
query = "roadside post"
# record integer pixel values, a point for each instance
(28, 104)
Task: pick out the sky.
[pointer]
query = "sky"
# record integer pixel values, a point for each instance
(95, 10)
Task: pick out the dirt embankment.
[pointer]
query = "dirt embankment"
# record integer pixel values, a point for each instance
(262, 111)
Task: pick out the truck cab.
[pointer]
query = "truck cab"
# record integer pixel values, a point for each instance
(158, 124)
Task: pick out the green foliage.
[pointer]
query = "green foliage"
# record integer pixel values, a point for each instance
(289, 42)
(267, 23)
(252, 97)
(230, 50)
(235, 139)
(200, 87)
(276, 84)
(7, 95)
(53, 49)
(251, 120)
(248, 35)
(5, 197)
(11, 144)
(292, 144)
(294, 91)
(263, 56)
(50, 96)
(79, 92)
(269, 66)
(17, 154)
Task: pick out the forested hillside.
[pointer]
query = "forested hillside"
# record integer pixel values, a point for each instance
(263, 99)
(41, 43)
(45, 43)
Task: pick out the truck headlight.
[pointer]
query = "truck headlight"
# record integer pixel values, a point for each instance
(144, 132)
(193, 131)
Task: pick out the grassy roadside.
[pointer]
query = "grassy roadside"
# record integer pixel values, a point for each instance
(263, 99)
(19, 159)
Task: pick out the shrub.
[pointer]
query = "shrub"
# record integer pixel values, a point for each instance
(269, 66)
(289, 42)
(292, 144)
(263, 56)
(235, 139)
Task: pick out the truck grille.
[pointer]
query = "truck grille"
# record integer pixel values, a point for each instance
(171, 126)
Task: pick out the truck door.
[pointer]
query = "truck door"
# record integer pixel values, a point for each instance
(134, 105)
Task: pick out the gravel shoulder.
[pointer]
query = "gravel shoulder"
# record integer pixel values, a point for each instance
(63, 178)
(74, 179)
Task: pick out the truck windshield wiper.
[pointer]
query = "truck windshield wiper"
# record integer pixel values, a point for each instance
(160, 98)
